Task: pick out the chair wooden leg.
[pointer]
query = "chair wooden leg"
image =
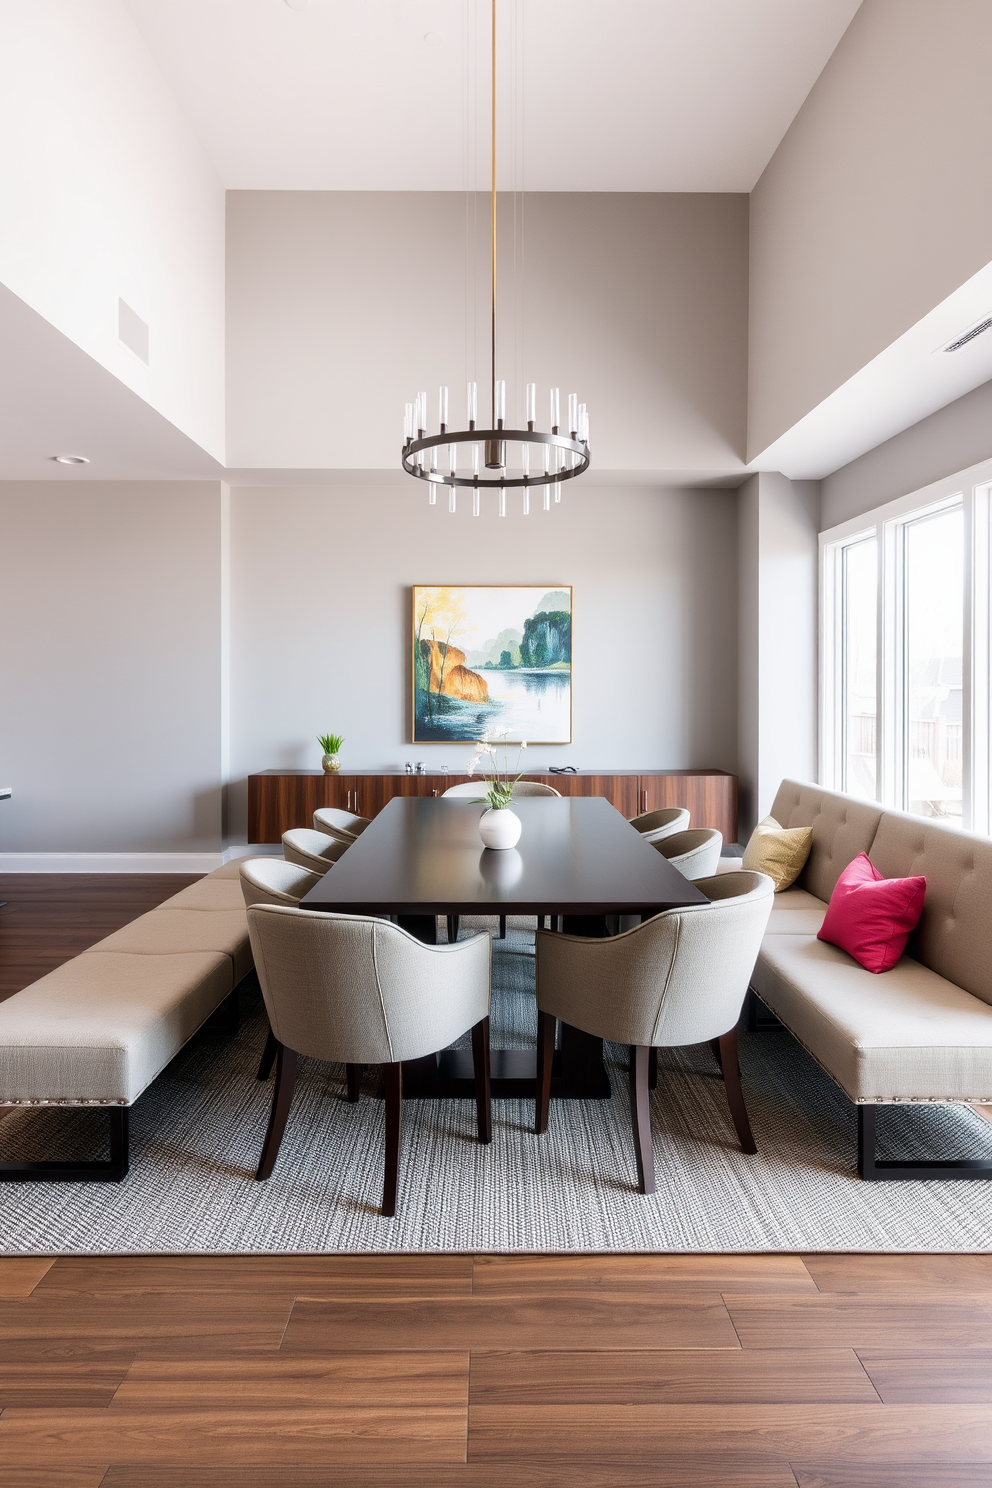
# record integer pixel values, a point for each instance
(640, 1110)
(653, 1070)
(735, 1095)
(502, 927)
(483, 1098)
(353, 1077)
(547, 1028)
(715, 1051)
(268, 1056)
(282, 1099)
(452, 929)
(394, 1121)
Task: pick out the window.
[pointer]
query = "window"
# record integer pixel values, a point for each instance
(906, 654)
(933, 602)
(859, 624)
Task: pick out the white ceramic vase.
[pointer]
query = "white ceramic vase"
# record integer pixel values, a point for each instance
(500, 829)
(331, 763)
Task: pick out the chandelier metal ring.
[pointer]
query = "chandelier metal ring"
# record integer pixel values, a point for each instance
(416, 468)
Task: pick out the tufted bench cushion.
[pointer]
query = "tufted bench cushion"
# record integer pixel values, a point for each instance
(906, 1035)
(796, 912)
(167, 932)
(97, 1030)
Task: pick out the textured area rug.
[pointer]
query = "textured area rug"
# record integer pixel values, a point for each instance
(197, 1132)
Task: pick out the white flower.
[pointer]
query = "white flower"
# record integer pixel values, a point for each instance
(523, 743)
(472, 764)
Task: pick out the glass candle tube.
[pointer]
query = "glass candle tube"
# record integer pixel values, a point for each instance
(530, 412)
(442, 407)
(473, 404)
(554, 410)
(573, 414)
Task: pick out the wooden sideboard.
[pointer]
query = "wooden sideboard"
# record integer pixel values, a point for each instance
(280, 799)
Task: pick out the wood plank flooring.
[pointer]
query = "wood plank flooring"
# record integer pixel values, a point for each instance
(454, 1371)
(169, 1372)
(50, 917)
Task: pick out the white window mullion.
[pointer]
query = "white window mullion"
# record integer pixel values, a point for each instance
(891, 668)
(977, 675)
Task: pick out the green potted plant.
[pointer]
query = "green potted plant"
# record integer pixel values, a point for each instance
(499, 827)
(331, 745)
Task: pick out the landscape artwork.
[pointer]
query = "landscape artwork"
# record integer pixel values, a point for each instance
(492, 657)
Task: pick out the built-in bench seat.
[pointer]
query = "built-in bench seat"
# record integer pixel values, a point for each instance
(100, 1028)
(921, 1032)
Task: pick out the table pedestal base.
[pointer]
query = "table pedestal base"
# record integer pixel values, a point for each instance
(578, 1072)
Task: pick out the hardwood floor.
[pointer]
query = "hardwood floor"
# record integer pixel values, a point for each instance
(454, 1371)
(50, 917)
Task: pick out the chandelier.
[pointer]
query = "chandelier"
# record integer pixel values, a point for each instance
(498, 457)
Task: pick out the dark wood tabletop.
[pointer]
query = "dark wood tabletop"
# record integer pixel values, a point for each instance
(576, 856)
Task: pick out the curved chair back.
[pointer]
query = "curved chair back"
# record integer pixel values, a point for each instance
(654, 825)
(476, 789)
(344, 825)
(696, 854)
(313, 850)
(361, 990)
(679, 978)
(274, 881)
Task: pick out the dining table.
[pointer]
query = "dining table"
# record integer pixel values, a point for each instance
(578, 861)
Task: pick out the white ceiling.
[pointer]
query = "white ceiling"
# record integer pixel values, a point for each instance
(594, 95)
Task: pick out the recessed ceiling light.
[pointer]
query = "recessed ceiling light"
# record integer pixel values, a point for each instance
(433, 38)
(70, 459)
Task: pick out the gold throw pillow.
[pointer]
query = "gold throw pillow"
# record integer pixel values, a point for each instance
(781, 852)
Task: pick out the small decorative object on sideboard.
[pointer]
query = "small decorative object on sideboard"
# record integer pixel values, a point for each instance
(499, 827)
(331, 745)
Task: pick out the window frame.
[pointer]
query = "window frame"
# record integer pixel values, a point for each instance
(970, 489)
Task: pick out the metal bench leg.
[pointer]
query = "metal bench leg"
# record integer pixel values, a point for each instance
(874, 1171)
(110, 1171)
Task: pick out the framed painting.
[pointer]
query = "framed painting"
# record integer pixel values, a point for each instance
(492, 657)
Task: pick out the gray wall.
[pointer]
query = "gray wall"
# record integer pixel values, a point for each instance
(110, 609)
(948, 441)
(874, 207)
(778, 521)
(340, 305)
(321, 621)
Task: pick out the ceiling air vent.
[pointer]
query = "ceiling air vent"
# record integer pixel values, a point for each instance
(976, 330)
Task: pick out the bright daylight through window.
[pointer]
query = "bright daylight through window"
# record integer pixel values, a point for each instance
(905, 687)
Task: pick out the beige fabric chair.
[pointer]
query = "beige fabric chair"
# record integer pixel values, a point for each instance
(696, 853)
(654, 825)
(313, 850)
(275, 881)
(476, 789)
(362, 991)
(344, 825)
(677, 979)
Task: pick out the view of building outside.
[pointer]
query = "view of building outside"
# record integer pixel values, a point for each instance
(859, 630)
(934, 644)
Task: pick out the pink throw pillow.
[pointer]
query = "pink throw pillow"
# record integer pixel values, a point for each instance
(870, 917)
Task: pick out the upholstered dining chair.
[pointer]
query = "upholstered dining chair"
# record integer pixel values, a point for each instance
(654, 825)
(274, 881)
(475, 790)
(362, 991)
(695, 854)
(344, 825)
(676, 979)
(313, 850)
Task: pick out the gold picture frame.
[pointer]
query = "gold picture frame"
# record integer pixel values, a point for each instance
(491, 656)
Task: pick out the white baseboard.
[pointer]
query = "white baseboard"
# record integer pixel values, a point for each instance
(68, 862)
(253, 850)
